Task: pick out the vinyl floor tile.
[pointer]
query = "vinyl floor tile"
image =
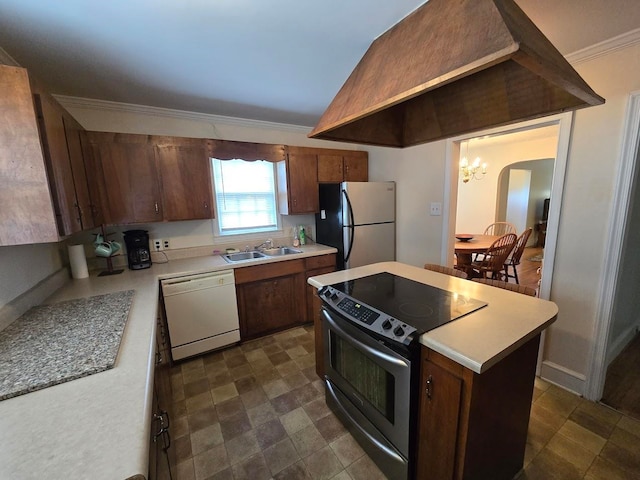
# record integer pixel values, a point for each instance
(257, 412)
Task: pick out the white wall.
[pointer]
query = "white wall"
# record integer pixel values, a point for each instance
(478, 199)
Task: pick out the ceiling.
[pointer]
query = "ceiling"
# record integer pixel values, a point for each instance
(280, 61)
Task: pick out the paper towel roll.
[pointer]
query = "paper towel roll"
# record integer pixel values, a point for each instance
(78, 261)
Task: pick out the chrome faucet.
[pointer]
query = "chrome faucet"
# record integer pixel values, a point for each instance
(267, 243)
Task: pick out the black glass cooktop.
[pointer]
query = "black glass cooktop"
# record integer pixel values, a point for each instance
(421, 306)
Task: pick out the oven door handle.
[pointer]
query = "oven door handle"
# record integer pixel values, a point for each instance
(374, 352)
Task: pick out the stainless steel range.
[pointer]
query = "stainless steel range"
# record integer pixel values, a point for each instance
(371, 328)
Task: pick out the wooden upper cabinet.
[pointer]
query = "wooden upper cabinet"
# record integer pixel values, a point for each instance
(185, 174)
(298, 183)
(73, 133)
(128, 168)
(54, 143)
(343, 166)
(27, 214)
(356, 167)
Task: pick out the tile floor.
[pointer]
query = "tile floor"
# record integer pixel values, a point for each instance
(257, 412)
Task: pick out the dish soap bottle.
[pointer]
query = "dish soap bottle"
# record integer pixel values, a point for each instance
(302, 235)
(296, 240)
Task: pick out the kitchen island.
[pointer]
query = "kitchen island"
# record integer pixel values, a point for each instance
(475, 379)
(98, 426)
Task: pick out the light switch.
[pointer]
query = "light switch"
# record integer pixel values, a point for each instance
(436, 209)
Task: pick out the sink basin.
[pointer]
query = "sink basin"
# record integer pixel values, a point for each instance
(240, 256)
(274, 252)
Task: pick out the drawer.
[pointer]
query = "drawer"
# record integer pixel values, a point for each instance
(320, 261)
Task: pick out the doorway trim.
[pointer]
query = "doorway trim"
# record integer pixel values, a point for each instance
(564, 122)
(620, 209)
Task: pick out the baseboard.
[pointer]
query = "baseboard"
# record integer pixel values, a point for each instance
(563, 377)
(619, 343)
(32, 297)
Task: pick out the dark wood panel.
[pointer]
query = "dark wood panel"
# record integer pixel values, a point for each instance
(440, 393)
(131, 184)
(302, 183)
(268, 270)
(356, 167)
(56, 154)
(27, 214)
(320, 261)
(72, 130)
(330, 168)
(185, 173)
(311, 290)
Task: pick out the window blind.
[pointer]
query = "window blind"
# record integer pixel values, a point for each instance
(245, 196)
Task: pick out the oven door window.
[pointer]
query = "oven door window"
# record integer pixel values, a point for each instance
(367, 378)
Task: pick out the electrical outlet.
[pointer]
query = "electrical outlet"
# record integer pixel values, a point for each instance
(157, 244)
(436, 209)
(165, 244)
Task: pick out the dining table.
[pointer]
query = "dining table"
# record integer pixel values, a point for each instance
(465, 249)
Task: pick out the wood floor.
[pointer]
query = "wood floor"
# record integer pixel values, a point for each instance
(622, 384)
(528, 270)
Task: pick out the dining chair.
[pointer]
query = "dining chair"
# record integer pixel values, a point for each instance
(514, 259)
(494, 258)
(508, 286)
(500, 228)
(446, 270)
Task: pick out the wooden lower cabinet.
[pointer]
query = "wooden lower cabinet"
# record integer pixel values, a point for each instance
(474, 426)
(271, 297)
(161, 455)
(317, 266)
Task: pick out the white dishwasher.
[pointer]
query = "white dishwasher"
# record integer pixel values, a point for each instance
(202, 313)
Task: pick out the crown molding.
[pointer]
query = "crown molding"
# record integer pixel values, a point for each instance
(625, 40)
(6, 59)
(105, 105)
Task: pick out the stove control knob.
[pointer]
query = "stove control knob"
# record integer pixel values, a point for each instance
(399, 331)
(327, 292)
(386, 324)
(334, 296)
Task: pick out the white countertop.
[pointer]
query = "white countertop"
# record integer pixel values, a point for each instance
(97, 427)
(477, 340)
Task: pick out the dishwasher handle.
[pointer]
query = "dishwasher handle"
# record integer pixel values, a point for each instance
(190, 283)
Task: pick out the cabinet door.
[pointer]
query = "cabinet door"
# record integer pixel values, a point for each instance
(330, 169)
(356, 167)
(185, 173)
(73, 130)
(440, 395)
(269, 305)
(132, 189)
(301, 183)
(54, 143)
(95, 180)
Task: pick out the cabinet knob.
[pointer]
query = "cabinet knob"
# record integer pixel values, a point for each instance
(206, 205)
(157, 209)
(429, 389)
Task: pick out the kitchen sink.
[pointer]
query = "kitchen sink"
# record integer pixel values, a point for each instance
(240, 256)
(274, 252)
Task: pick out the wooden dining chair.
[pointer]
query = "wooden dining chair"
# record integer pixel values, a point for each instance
(500, 228)
(508, 286)
(494, 258)
(514, 259)
(446, 270)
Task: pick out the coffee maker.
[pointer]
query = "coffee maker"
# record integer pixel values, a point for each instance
(138, 253)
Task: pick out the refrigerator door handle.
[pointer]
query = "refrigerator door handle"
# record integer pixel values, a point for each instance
(351, 227)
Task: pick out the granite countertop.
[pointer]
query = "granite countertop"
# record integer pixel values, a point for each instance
(477, 340)
(57, 343)
(98, 426)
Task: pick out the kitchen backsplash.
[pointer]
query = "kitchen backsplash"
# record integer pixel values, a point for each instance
(191, 239)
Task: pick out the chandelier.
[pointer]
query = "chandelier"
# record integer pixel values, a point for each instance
(474, 170)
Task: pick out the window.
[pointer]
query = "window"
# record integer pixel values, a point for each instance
(245, 196)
